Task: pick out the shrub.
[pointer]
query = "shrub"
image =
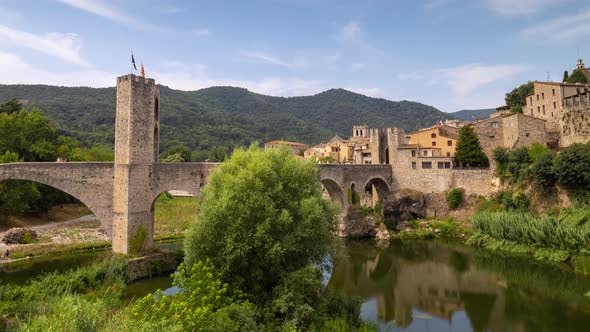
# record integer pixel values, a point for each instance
(572, 167)
(536, 150)
(543, 171)
(522, 202)
(455, 198)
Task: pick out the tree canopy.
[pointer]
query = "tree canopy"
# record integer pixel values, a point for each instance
(577, 77)
(517, 97)
(468, 150)
(262, 216)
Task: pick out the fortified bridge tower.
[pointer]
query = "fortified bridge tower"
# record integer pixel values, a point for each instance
(121, 194)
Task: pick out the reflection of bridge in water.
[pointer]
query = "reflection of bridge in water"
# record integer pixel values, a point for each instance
(121, 194)
(437, 282)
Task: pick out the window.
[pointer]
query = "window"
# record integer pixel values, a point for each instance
(542, 95)
(543, 109)
(448, 154)
(492, 136)
(433, 143)
(553, 92)
(495, 124)
(551, 114)
(425, 153)
(413, 153)
(426, 164)
(554, 105)
(531, 99)
(444, 164)
(433, 135)
(449, 143)
(528, 134)
(531, 111)
(413, 165)
(538, 109)
(537, 97)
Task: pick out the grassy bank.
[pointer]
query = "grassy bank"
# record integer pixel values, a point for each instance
(424, 229)
(173, 215)
(547, 237)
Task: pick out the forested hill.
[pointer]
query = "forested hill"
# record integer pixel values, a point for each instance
(470, 115)
(224, 116)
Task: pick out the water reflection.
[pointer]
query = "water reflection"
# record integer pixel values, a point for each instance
(427, 286)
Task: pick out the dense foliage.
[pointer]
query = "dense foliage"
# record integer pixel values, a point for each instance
(469, 151)
(517, 97)
(262, 216)
(572, 167)
(577, 77)
(455, 198)
(223, 116)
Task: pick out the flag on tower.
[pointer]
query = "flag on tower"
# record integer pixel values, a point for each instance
(133, 61)
(142, 71)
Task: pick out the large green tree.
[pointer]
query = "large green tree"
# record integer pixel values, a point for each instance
(262, 216)
(572, 167)
(468, 150)
(517, 97)
(11, 106)
(577, 77)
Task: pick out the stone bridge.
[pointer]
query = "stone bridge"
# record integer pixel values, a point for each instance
(121, 193)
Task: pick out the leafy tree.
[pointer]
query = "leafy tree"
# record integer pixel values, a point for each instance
(455, 198)
(566, 76)
(217, 154)
(262, 216)
(174, 158)
(517, 97)
(16, 196)
(537, 150)
(181, 150)
(199, 155)
(572, 167)
(11, 106)
(468, 150)
(29, 134)
(543, 171)
(577, 77)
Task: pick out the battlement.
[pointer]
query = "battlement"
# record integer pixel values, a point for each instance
(135, 78)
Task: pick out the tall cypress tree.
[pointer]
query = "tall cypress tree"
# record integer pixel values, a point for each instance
(469, 151)
(566, 75)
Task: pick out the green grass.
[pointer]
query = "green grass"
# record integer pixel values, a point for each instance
(173, 215)
(547, 237)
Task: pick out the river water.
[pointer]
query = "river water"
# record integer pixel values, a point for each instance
(430, 286)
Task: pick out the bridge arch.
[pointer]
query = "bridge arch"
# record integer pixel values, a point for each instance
(381, 186)
(335, 191)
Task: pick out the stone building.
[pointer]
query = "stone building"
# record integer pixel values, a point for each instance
(511, 131)
(297, 148)
(547, 103)
(575, 121)
(443, 137)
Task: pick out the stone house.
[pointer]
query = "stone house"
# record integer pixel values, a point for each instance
(510, 131)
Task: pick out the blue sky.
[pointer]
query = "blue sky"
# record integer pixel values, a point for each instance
(451, 54)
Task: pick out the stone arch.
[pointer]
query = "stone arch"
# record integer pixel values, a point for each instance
(335, 191)
(383, 189)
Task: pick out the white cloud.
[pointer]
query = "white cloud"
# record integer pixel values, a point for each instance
(467, 78)
(201, 32)
(371, 92)
(65, 46)
(351, 31)
(269, 58)
(102, 9)
(15, 71)
(358, 66)
(521, 7)
(561, 28)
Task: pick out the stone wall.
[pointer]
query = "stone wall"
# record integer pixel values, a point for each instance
(473, 181)
(575, 122)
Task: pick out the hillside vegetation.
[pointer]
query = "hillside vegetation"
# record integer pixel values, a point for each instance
(223, 116)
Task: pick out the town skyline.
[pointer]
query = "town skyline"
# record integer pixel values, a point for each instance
(439, 52)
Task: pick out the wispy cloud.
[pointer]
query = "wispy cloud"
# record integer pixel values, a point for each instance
(201, 32)
(15, 71)
(269, 58)
(467, 78)
(65, 46)
(103, 9)
(521, 7)
(351, 31)
(561, 28)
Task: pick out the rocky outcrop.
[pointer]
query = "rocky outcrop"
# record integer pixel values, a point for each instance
(405, 205)
(19, 235)
(360, 224)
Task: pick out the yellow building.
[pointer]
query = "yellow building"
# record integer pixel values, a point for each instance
(442, 137)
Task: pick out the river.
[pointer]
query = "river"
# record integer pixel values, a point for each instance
(426, 286)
